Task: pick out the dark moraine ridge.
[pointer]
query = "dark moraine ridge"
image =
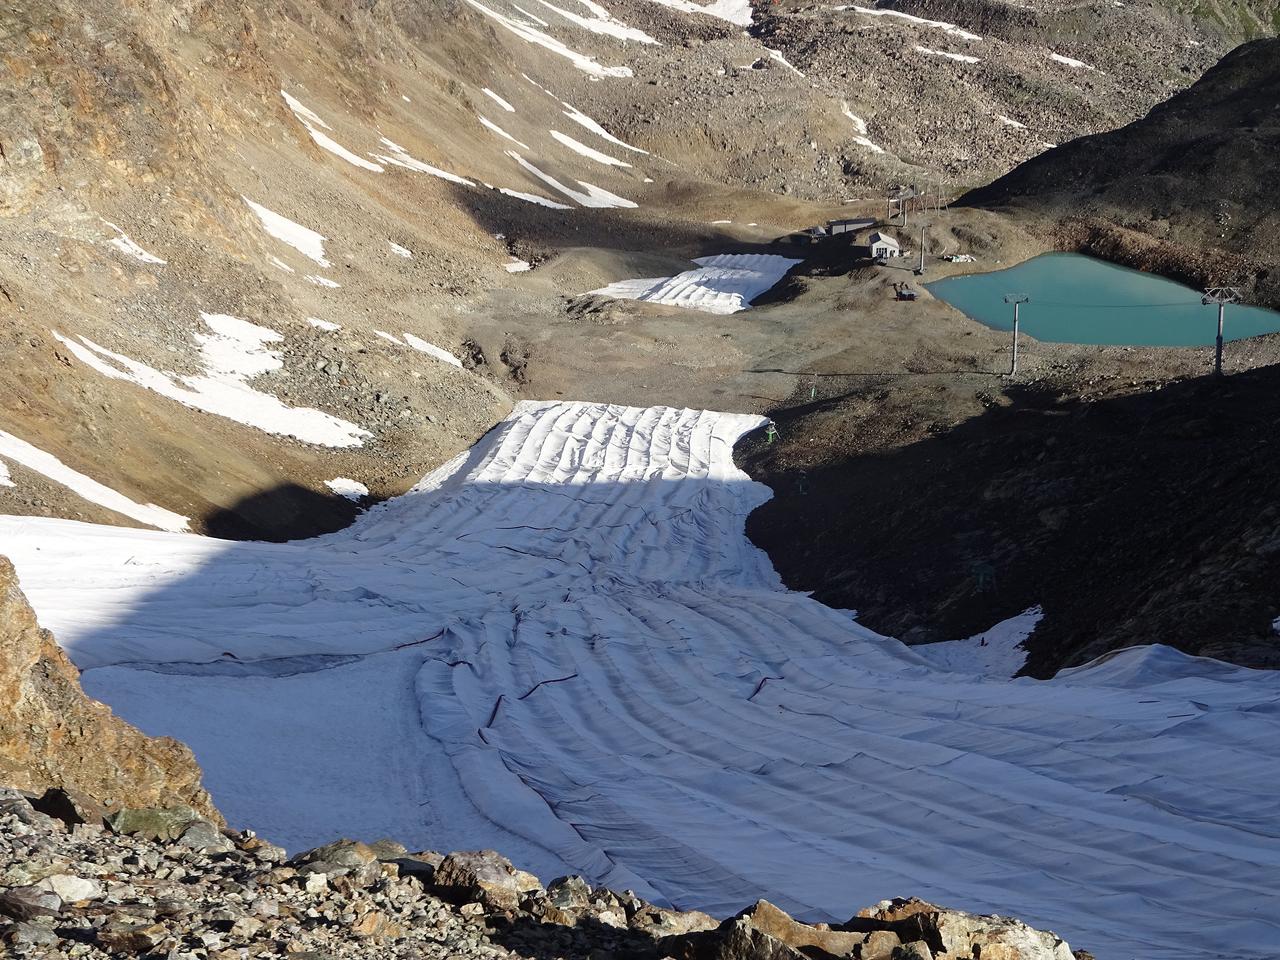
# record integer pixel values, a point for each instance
(1151, 517)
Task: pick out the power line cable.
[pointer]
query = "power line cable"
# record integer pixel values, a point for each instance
(1119, 306)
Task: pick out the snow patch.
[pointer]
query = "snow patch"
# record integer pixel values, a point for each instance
(400, 157)
(399, 250)
(326, 325)
(1009, 122)
(726, 283)
(534, 198)
(500, 132)
(1068, 61)
(518, 266)
(315, 125)
(581, 148)
(46, 464)
(580, 118)
(320, 281)
(125, 245)
(860, 130)
(527, 33)
(303, 113)
(593, 196)
(432, 350)
(5, 479)
(602, 22)
(962, 57)
(303, 239)
(942, 25)
(498, 100)
(346, 487)
(234, 352)
(737, 12)
(422, 346)
(777, 56)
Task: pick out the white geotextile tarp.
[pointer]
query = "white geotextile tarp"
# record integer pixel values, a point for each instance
(562, 645)
(725, 283)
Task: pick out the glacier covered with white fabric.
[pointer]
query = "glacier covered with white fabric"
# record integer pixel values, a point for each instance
(563, 646)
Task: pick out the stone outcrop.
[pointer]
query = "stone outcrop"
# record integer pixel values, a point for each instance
(53, 736)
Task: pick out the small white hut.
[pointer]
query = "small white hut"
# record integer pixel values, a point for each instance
(882, 246)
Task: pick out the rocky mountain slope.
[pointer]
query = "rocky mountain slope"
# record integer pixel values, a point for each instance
(52, 736)
(1189, 190)
(254, 252)
(958, 91)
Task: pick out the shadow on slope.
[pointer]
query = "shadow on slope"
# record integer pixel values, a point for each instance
(285, 512)
(1149, 518)
(650, 227)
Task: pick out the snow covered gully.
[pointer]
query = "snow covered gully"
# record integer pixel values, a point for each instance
(561, 645)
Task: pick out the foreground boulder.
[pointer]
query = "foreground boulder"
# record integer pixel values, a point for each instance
(486, 877)
(954, 933)
(54, 736)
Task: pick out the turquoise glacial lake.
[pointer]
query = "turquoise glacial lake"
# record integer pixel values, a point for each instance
(1077, 299)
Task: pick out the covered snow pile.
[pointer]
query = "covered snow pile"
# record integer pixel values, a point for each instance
(725, 283)
(561, 645)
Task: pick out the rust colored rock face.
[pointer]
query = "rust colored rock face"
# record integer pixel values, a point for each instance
(53, 735)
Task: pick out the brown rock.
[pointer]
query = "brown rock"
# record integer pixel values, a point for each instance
(53, 735)
(378, 925)
(917, 950)
(818, 942)
(484, 876)
(27, 903)
(742, 941)
(131, 938)
(660, 922)
(880, 945)
(954, 933)
(346, 853)
(735, 939)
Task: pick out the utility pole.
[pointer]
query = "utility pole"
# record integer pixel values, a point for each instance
(920, 269)
(1221, 296)
(1017, 300)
